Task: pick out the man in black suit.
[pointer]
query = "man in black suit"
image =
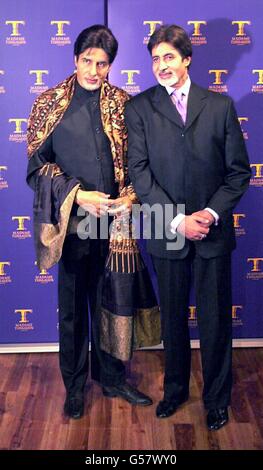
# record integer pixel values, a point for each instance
(186, 150)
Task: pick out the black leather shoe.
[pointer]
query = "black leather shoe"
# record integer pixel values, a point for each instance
(168, 408)
(128, 393)
(74, 407)
(217, 418)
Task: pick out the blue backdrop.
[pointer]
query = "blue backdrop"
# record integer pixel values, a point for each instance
(37, 52)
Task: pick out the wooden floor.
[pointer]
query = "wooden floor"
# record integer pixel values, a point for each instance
(32, 397)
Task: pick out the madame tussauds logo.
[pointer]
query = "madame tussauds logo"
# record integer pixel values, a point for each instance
(241, 38)
(4, 276)
(192, 316)
(258, 88)
(21, 232)
(257, 174)
(255, 272)
(239, 230)
(20, 126)
(151, 25)
(3, 181)
(39, 85)
(197, 38)
(130, 84)
(15, 38)
(43, 276)
(60, 38)
(23, 324)
(218, 84)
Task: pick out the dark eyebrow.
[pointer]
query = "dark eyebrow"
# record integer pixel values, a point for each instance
(97, 61)
(165, 55)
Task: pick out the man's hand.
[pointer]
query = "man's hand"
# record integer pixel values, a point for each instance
(122, 206)
(195, 227)
(95, 202)
(206, 215)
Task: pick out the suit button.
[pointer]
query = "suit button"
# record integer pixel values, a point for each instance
(97, 130)
(182, 135)
(98, 157)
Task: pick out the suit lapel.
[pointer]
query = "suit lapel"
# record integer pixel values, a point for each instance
(163, 104)
(196, 103)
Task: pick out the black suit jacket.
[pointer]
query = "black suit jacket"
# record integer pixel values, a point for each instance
(203, 163)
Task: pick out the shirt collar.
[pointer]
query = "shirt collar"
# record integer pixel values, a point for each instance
(82, 93)
(183, 89)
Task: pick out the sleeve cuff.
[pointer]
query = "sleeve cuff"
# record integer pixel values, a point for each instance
(213, 213)
(175, 222)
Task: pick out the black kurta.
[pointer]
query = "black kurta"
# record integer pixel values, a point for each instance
(81, 149)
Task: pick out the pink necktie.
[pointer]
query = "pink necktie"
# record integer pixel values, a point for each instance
(178, 99)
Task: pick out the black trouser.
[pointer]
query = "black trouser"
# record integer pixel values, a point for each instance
(80, 285)
(212, 281)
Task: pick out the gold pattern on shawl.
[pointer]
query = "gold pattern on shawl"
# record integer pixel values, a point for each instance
(119, 335)
(49, 238)
(116, 334)
(129, 191)
(47, 111)
(147, 327)
(124, 255)
(50, 169)
(112, 103)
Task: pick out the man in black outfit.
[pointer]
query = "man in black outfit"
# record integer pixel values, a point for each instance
(71, 165)
(186, 147)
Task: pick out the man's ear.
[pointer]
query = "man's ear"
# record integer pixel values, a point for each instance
(187, 61)
(75, 60)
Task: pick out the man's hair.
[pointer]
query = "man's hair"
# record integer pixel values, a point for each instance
(174, 35)
(98, 36)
